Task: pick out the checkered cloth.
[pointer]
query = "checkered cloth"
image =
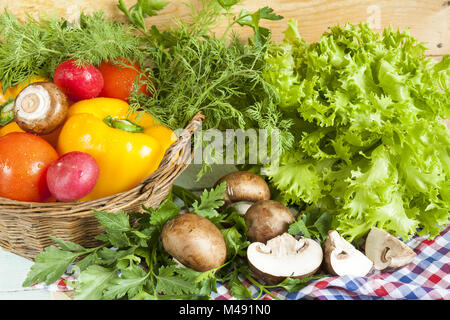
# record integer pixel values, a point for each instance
(427, 277)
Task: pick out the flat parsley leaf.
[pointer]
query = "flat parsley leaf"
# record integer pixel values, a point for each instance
(49, 266)
(171, 284)
(210, 201)
(94, 281)
(166, 211)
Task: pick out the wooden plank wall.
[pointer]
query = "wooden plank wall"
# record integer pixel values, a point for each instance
(428, 20)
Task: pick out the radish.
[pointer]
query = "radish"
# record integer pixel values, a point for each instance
(72, 176)
(78, 82)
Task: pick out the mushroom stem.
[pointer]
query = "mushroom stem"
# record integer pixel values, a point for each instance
(241, 207)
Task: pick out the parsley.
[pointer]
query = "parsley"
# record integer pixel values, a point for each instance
(132, 264)
(143, 8)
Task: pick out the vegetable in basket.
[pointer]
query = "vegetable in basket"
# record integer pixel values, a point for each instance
(128, 147)
(24, 159)
(72, 176)
(120, 79)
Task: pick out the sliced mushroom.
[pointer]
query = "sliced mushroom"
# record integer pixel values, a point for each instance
(386, 251)
(342, 258)
(284, 256)
(267, 219)
(244, 188)
(40, 108)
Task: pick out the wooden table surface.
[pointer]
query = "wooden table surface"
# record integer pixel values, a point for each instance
(428, 21)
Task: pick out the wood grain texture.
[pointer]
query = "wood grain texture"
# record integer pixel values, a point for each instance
(428, 20)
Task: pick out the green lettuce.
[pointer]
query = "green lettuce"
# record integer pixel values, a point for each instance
(370, 145)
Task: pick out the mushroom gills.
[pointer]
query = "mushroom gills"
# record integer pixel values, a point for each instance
(386, 251)
(284, 256)
(342, 258)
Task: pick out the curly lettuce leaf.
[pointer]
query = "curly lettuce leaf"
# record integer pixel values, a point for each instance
(375, 152)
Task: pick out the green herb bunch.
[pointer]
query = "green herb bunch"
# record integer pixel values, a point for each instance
(37, 46)
(131, 262)
(192, 70)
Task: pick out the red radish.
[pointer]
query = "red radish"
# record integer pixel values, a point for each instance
(78, 82)
(72, 176)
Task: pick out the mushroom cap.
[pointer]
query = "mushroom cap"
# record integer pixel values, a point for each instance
(244, 186)
(284, 256)
(194, 241)
(342, 258)
(40, 108)
(386, 251)
(267, 219)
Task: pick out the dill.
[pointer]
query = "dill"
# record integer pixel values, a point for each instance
(190, 69)
(37, 46)
(195, 71)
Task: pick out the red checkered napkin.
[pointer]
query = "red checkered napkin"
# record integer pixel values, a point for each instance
(427, 277)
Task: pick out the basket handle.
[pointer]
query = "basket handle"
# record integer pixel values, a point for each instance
(176, 159)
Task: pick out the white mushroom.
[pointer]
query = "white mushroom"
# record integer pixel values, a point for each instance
(40, 108)
(284, 256)
(386, 251)
(342, 258)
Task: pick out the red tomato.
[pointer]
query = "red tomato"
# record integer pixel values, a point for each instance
(119, 79)
(24, 159)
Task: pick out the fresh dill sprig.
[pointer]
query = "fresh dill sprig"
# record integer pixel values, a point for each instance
(37, 46)
(192, 70)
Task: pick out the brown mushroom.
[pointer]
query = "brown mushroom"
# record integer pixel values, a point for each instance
(342, 258)
(284, 256)
(194, 241)
(386, 251)
(40, 108)
(243, 189)
(267, 219)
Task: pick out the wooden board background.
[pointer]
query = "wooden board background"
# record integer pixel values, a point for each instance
(428, 20)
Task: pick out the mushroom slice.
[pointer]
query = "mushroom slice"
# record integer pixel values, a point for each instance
(244, 186)
(284, 256)
(40, 108)
(342, 258)
(386, 251)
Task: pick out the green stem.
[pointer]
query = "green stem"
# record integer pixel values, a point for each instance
(261, 288)
(123, 124)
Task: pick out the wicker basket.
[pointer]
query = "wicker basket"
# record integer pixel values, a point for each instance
(25, 227)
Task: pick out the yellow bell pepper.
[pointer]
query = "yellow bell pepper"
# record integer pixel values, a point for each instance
(99, 127)
(14, 91)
